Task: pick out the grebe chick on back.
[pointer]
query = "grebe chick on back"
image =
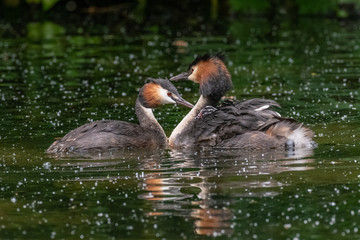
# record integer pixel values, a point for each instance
(111, 134)
(250, 124)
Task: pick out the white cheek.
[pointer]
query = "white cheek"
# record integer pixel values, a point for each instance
(164, 98)
(192, 75)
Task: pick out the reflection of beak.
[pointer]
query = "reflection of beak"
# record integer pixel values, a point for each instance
(180, 76)
(181, 101)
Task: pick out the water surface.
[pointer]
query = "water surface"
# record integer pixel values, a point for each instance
(52, 83)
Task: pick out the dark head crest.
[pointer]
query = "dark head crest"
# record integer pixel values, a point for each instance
(206, 57)
(164, 83)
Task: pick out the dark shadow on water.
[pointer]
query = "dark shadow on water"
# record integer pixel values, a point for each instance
(110, 154)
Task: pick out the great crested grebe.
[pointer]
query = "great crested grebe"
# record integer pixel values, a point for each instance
(111, 134)
(248, 124)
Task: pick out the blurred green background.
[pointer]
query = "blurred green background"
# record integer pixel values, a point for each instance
(156, 16)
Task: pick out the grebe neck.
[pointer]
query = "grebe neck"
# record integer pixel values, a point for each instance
(149, 123)
(182, 135)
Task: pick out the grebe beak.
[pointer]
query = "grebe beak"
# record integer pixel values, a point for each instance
(180, 76)
(181, 101)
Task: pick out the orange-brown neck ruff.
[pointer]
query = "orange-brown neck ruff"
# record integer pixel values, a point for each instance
(149, 95)
(214, 79)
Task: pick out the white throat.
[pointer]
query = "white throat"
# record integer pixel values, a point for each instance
(148, 112)
(148, 122)
(178, 134)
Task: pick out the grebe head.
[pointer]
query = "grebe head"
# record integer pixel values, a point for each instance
(211, 73)
(159, 92)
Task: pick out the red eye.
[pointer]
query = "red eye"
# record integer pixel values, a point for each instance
(192, 70)
(169, 94)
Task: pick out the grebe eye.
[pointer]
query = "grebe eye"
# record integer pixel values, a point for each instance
(192, 70)
(169, 94)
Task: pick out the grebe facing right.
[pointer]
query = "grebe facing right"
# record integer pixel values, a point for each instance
(250, 124)
(111, 134)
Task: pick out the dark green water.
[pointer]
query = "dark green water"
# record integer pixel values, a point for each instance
(52, 82)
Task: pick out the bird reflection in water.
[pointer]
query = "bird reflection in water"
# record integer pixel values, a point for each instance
(190, 183)
(185, 183)
(169, 199)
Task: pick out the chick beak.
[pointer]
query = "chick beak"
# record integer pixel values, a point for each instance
(181, 101)
(180, 76)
